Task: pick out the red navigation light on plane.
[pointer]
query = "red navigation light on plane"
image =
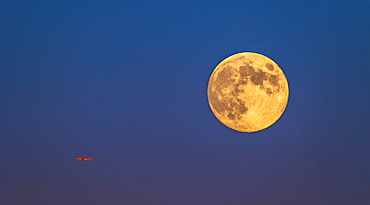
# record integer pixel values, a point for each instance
(84, 159)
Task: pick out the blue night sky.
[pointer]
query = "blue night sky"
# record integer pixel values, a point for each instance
(126, 83)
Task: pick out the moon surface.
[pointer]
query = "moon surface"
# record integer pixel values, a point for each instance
(248, 92)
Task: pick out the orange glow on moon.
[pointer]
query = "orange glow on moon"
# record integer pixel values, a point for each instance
(248, 92)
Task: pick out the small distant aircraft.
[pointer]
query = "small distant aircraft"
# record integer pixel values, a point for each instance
(84, 159)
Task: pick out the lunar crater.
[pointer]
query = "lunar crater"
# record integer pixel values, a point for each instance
(274, 80)
(258, 78)
(269, 66)
(246, 70)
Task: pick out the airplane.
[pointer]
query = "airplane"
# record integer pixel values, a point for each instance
(84, 159)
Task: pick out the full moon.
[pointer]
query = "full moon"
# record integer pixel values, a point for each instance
(248, 92)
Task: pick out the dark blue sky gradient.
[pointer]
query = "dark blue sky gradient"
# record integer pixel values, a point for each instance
(126, 83)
